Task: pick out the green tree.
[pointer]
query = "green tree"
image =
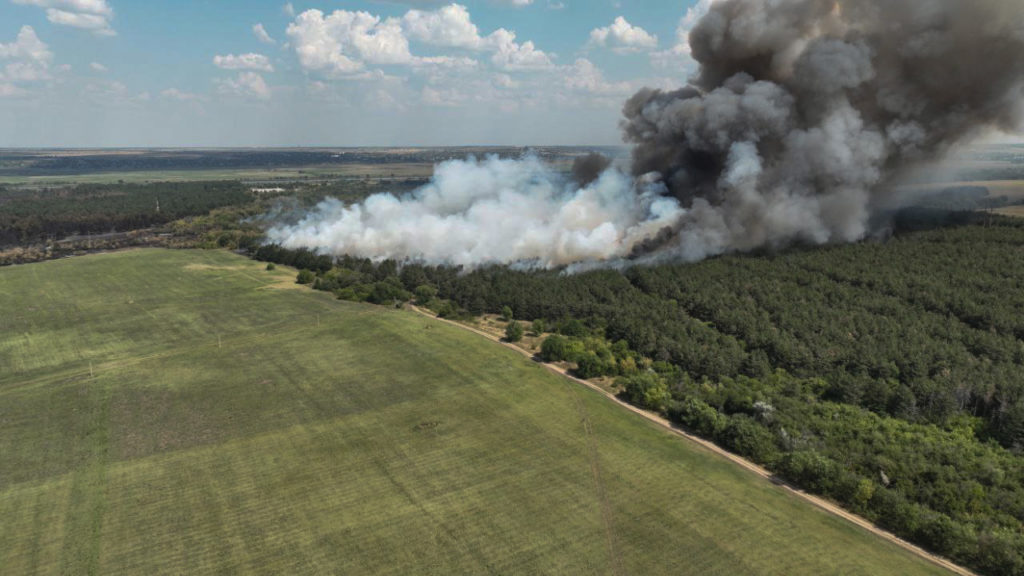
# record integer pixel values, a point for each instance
(271, 266)
(506, 314)
(425, 293)
(305, 277)
(646, 389)
(513, 332)
(538, 327)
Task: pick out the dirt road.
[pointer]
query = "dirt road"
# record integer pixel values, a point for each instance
(711, 447)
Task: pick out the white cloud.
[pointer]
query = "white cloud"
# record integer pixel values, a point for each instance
(30, 60)
(679, 56)
(452, 27)
(98, 67)
(512, 56)
(442, 97)
(248, 84)
(88, 6)
(261, 34)
(343, 42)
(622, 36)
(180, 95)
(250, 61)
(27, 46)
(449, 26)
(517, 3)
(584, 76)
(289, 10)
(92, 15)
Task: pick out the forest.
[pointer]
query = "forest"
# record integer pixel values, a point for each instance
(31, 215)
(887, 375)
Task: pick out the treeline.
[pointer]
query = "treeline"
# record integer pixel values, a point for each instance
(31, 216)
(888, 376)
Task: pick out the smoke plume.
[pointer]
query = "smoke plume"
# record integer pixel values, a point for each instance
(801, 119)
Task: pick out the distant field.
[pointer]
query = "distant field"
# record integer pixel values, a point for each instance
(397, 170)
(1013, 189)
(189, 412)
(1015, 211)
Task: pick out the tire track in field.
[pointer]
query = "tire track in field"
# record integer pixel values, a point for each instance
(594, 459)
(821, 503)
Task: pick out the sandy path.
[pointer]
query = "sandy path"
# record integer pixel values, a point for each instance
(711, 447)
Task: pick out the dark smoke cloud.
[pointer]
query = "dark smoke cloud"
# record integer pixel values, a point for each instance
(802, 118)
(805, 112)
(587, 169)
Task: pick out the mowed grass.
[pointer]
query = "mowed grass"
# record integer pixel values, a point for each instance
(182, 412)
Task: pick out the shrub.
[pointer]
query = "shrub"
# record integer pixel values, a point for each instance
(514, 332)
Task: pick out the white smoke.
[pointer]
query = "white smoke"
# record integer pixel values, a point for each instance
(476, 212)
(798, 126)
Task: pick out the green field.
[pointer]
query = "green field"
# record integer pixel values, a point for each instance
(289, 174)
(189, 412)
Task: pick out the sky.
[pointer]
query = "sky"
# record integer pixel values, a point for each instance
(145, 73)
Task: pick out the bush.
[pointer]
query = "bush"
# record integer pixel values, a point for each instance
(506, 314)
(305, 277)
(271, 266)
(514, 332)
(647, 390)
(424, 294)
(555, 348)
(538, 327)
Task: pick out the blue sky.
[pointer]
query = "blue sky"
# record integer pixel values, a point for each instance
(198, 73)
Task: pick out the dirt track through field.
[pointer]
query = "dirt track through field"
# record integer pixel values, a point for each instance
(752, 467)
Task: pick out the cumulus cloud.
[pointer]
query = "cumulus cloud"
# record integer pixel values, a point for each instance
(344, 42)
(451, 27)
(27, 59)
(622, 36)
(679, 56)
(248, 84)
(510, 55)
(92, 15)
(250, 61)
(97, 67)
(584, 76)
(261, 34)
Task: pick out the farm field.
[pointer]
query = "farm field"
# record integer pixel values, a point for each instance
(189, 412)
(385, 171)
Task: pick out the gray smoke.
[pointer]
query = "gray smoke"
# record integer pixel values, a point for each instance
(800, 122)
(587, 169)
(805, 112)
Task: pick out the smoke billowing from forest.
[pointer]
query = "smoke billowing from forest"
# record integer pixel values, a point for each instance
(801, 119)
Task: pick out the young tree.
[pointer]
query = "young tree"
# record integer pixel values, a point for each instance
(514, 332)
(506, 314)
(424, 294)
(538, 327)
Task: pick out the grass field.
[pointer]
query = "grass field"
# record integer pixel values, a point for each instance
(189, 412)
(396, 170)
